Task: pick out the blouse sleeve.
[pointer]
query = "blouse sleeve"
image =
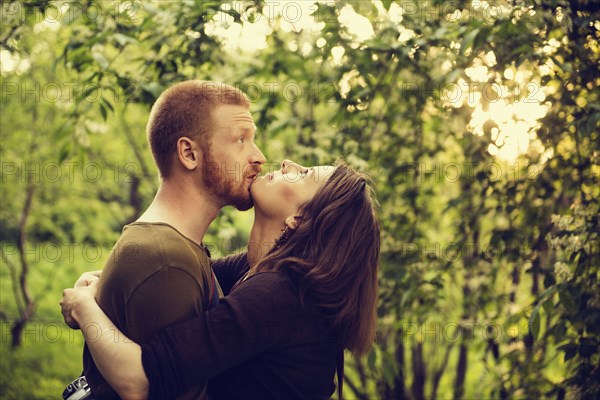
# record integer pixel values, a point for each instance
(259, 314)
(229, 270)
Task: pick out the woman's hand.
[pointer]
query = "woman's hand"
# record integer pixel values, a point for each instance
(87, 278)
(70, 299)
(79, 299)
(117, 357)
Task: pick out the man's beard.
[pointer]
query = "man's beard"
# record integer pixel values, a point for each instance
(226, 187)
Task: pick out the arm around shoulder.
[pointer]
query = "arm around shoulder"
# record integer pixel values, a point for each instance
(117, 357)
(259, 314)
(166, 297)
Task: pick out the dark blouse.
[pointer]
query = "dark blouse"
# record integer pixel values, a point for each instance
(259, 342)
(229, 270)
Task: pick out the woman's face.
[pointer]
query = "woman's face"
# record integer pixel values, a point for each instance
(280, 194)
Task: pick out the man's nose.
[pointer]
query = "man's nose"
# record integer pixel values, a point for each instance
(257, 156)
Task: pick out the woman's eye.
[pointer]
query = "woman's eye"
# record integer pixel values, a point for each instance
(241, 139)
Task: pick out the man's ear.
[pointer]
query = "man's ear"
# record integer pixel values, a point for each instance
(293, 221)
(188, 153)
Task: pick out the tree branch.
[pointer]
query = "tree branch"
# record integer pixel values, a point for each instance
(22, 239)
(12, 268)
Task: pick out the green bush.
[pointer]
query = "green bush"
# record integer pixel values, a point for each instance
(48, 360)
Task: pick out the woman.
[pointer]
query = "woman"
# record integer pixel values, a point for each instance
(308, 293)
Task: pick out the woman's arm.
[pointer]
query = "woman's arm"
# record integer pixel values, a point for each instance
(117, 357)
(256, 317)
(229, 270)
(259, 314)
(86, 279)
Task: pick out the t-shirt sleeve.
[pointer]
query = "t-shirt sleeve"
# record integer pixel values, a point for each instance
(258, 315)
(168, 296)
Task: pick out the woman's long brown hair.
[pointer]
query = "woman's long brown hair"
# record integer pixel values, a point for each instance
(333, 255)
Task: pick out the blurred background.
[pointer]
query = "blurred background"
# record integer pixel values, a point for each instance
(478, 121)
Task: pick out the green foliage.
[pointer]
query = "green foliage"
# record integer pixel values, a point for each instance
(489, 274)
(45, 363)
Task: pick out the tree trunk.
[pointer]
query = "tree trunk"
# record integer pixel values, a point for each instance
(23, 292)
(461, 372)
(399, 386)
(18, 326)
(15, 332)
(358, 392)
(419, 373)
(437, 375)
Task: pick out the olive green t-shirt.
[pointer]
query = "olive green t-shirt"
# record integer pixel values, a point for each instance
(154, 277)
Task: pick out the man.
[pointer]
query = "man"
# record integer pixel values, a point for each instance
(202, 138)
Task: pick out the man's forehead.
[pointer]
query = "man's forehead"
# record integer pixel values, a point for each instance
(229, 114)
(243, 116)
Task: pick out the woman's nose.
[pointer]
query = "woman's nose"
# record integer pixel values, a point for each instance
(286, 164)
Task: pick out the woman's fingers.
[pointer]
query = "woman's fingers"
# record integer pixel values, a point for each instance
(66, 307)
(74, 297)
(87, 278)
(92, 288)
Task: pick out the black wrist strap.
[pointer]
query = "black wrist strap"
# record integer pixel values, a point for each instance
(340, 373)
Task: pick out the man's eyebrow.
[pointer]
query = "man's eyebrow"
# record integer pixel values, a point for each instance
(249, 130)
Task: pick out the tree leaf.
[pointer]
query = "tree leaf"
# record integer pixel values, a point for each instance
(548, 307)
(468, 41)
(567, 300)
(570, 350)
(100, 59)
(593, 122)
(587, 348)
(123, 39)
(387, 4)
(389, 368)
(103, 111)
(372, 357)
(65, 151)
(534, 322)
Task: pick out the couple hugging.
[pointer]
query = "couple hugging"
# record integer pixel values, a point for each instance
(164, 321)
